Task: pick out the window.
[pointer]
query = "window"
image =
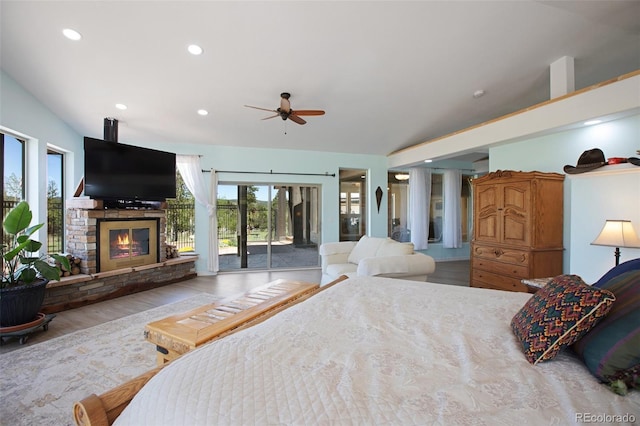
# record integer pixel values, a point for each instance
(181, 221)
(12, 172)
(353, 199)
(55, 202)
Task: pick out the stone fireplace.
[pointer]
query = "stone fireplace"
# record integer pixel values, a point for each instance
(92, 235)
(135, 244)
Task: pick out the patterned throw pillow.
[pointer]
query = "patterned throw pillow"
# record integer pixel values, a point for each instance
(611, 350)
(558, 315)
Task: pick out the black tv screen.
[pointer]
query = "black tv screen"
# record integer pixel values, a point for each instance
(115, 171)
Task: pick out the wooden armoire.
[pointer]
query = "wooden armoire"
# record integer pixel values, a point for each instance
(517, 228)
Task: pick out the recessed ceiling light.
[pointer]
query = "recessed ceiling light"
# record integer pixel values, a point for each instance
(121, 106)
(203, 112)
(71, 34)
(428, 161)
(592, 122)
(194, 49)
(478, 93)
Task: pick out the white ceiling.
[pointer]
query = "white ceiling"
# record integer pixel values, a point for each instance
(389, 74)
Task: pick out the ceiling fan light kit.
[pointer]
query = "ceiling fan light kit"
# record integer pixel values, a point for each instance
(285, 112)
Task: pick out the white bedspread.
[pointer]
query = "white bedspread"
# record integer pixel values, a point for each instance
(378, 351)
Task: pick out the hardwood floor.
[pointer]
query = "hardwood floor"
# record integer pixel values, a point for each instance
(222, 285)
(454, 272)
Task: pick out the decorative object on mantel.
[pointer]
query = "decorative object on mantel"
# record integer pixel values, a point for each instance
(589, 160)
(25, 273)
(617, 233)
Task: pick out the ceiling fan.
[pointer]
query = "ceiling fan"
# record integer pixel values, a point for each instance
(285, 110)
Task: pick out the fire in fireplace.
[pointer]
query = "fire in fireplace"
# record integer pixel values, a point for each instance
(127, 243)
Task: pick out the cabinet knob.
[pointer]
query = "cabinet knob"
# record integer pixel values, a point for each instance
(498, 252)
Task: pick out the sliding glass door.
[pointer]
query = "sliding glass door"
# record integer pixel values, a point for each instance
(268, 226)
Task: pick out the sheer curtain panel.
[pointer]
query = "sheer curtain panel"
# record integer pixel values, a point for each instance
(191, 172)
(451, 221)
(419, 201)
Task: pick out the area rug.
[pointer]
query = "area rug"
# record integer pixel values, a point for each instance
(40, 383)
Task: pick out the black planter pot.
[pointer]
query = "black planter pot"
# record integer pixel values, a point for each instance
(20, 305)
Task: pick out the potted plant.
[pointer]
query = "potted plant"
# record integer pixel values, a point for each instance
(25, 273)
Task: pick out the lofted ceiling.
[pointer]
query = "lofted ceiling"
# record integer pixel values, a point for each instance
(389, 74)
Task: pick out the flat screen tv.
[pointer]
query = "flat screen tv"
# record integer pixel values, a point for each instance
(115, 171)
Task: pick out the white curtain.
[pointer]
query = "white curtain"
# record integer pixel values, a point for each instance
(191, 172)
(451, 221)
(419, 201)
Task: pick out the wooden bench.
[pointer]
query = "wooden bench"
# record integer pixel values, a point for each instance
(178, 334)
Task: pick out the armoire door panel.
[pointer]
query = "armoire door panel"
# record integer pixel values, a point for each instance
(487, 198)
(516, 196)
(487, 228)
(515, 231)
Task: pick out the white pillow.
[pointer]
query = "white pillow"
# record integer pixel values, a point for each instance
(384, 265)
(394, 248)
(366, 247)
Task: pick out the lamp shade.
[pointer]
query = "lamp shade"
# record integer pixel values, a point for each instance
(617, 233)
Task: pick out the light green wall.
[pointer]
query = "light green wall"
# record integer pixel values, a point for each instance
(620, 196)
(24, 116)
(227, 158)
(618, 138)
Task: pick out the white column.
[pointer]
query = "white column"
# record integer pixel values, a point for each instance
(562, 77)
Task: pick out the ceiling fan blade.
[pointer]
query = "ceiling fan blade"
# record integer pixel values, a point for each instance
(309, 112)
(263, 109)
(293, 117)
(271, 116)
(285, 105)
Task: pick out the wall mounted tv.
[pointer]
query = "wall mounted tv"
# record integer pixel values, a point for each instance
(115, 171)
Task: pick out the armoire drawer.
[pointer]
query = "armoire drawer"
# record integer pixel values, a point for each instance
(507, 255)
(508, 269)
(486, 279)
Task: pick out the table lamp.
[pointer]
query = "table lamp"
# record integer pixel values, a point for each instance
(617, 233)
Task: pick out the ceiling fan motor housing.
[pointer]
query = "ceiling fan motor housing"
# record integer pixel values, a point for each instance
(283, 114)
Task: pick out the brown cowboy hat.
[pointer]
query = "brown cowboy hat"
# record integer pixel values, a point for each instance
(589, 160)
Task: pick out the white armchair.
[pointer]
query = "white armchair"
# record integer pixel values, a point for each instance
(374, 256)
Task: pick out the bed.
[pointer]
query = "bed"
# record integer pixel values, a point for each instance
(378, 350)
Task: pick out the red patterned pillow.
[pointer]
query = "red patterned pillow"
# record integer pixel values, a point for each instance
(558, 315)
